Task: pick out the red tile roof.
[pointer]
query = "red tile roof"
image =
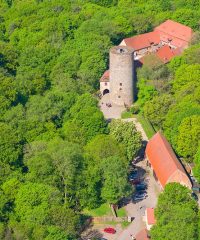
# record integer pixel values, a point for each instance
(142, 235)
(150, 216)
(105, 77)
(142, 41)
(164, 162)
(179, 34)
(165, 53)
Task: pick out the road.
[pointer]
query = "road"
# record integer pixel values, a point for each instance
(137, 210)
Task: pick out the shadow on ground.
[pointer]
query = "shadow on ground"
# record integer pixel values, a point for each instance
(92, 234)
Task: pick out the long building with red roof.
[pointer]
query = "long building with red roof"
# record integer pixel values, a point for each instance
(164, 163)
(142, 42)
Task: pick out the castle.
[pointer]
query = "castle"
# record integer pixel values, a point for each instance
(169, 39)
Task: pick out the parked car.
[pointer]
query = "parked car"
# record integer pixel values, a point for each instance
(139, 196)
(194, 195)
(109, 230)
(133, 175)
(193, 178)
(135, 160)
(140, 186)
(196, 189)
(141, 192)
(135, 181)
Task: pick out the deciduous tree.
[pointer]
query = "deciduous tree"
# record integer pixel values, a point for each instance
(126, 134)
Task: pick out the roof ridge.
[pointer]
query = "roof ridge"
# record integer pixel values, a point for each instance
(170, 151)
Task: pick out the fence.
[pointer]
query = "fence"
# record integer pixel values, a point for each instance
(108, 219)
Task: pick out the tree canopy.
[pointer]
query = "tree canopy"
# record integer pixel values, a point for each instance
(176, 214)
(57, 152)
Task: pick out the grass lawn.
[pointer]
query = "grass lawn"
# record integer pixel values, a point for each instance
(103, 210)
(146, 125)
(121, 212)
(126, 114)
(125, 224)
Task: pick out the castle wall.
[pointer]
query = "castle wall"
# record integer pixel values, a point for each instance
(122, 75)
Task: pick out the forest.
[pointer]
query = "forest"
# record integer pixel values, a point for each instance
(57, 152)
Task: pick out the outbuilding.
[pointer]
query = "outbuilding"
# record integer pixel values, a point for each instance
(165, 165)
(149, 218)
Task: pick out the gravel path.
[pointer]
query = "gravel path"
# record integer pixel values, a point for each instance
(138, 127)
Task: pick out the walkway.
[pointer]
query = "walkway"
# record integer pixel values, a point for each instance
(138, 127)
(113, 112)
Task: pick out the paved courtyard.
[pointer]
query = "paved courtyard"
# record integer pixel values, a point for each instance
(112, 112)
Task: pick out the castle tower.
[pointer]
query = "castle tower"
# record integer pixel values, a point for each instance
(122, 75)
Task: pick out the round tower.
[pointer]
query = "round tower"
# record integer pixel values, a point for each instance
(121, 75)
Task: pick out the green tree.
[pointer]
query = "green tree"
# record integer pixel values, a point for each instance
(188, 136)
(102, 146)
(57, 233)
(39, 210)
(115, 186)
(175, 63)
(85, 114)
(196, 168)
(10, 147)
(8, 92)
(50, 107)
(156, 109)
(186, 74)
(98, 149)
(67, 159)
(34, 202)
(126, 134)
(42, 170)
(145, 92)
(175, 116)
(176, 214)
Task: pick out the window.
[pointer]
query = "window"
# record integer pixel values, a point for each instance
(106, 83)
(120, 84)
(119, 96)
(120, 89)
